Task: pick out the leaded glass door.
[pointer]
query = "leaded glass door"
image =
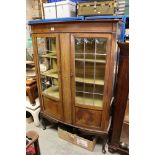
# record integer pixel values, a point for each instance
(48, 60)
(91, 56)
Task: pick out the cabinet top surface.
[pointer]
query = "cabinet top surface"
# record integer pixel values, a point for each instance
(45, 21)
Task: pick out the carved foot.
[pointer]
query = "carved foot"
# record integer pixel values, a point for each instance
(112, 149)
(43, 124)
(103, 150)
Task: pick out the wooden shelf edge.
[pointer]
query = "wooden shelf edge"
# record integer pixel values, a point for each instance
(88, 107)
(51, 97)
(50, 74)
(81, 80)
(91, 60)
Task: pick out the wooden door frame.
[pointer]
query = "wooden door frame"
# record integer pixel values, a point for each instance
(37, 68)
(108, 48)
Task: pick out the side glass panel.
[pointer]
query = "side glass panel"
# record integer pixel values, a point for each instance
(47, 54)
(90, 62)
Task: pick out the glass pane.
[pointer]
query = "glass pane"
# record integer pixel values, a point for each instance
(99, 73)
(89, 88)
(88, 99)
(79, 72)
(89, 45)
(79, 45)
(79, 57)
(41, 44)
(45, 83)
(89, 73)
(101, 58)
(90, 61)
(79, 97)
(98, 100)
(98, 89)
(48, 66)
(79, 87)
(101, 45)
(90, 57)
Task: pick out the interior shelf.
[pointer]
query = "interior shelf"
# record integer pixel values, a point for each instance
(30, 69)
(105, 54)
(89, 93)
(51, 92)
(89, 101)
(91, 60)
(30, 63)
(50, 73)
(49, 55)
(30, 73)
(90, 81)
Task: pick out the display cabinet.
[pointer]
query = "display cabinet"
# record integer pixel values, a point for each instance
(75, 65)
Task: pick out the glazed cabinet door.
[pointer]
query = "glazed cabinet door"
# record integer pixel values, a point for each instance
(90, 56)
(47, 60)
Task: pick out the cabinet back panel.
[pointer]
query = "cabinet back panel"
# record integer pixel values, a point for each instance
(89, 70)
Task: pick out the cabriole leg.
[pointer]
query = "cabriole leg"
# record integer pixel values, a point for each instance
(43, 123)
(105, 139)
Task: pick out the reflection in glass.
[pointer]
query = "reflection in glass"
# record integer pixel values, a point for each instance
(101, 45)
(79, 57)
(79, 87)
(98, 100)
(89, 72)
(89, 57)
(98, 89)
(79, 73)
(79, 97)
(79, 45)
(88, 99)
(99, 72)
(88, 88)
(89, 45)
(48, 66)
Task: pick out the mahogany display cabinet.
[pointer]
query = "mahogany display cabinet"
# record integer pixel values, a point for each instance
(75, 66)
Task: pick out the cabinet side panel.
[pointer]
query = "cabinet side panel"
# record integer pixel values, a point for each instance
(65, 66)
(109, 87)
